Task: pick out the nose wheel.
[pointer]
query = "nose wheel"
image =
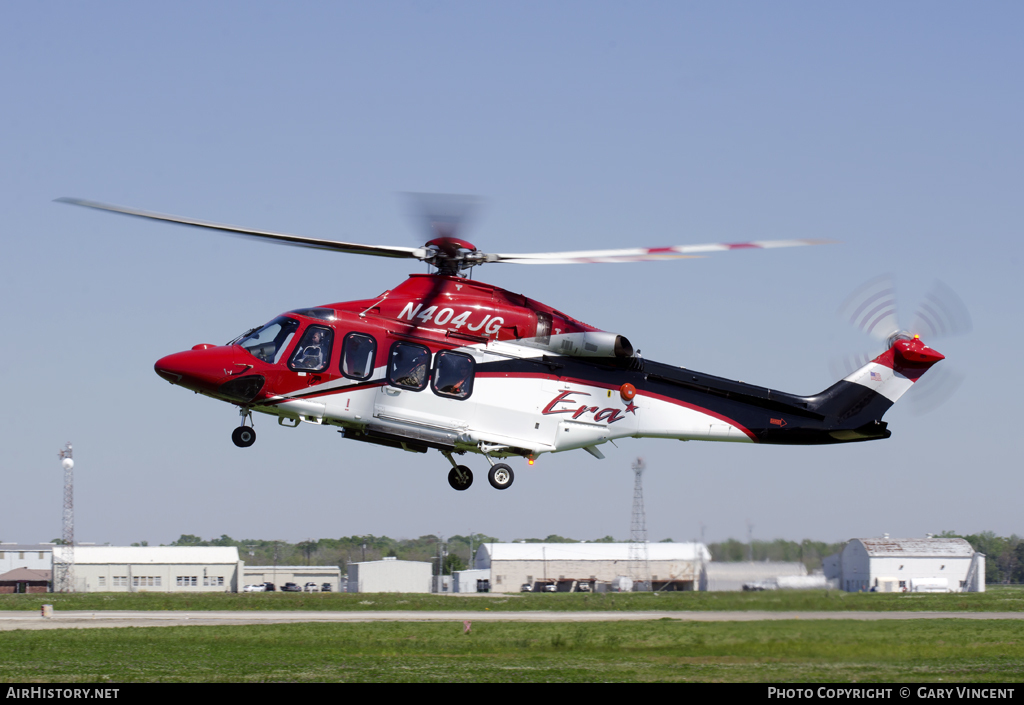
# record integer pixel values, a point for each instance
(243, 436)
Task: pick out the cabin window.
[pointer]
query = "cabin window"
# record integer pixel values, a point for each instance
(269, 342)
(408, 366)
(453, 375)
(313, 353)
(357, 354)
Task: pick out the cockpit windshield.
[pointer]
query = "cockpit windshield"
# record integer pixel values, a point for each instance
(269, 342)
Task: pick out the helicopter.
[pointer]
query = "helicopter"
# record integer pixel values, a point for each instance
(446, 362)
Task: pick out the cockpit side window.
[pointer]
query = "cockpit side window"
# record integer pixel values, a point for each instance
(408, 366)
(269, 342)
(313, 353)
(357, 355)
(453, 375)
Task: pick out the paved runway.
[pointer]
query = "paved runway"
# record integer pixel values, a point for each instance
(10, 620)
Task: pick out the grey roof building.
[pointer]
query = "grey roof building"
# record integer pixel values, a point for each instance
(908, 565)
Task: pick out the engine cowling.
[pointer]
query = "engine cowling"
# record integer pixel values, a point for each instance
(590, 344)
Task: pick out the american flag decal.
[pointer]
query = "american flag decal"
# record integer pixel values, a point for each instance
(875, 377)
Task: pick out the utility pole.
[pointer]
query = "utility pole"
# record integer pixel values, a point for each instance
(639, 567)
(700, 548)
(64, 568)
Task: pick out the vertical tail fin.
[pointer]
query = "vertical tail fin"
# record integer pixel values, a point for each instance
(894, 372)
(854, 406)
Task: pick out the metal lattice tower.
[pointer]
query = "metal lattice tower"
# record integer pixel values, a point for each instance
(639, 566)
(64, 566)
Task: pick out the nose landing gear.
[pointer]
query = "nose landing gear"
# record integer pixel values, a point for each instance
(244, 436)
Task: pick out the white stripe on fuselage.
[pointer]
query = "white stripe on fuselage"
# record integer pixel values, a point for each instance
(511, 410)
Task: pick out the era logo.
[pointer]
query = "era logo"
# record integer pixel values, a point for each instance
(610, 415)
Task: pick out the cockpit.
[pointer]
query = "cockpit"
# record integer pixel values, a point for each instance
(268, 342)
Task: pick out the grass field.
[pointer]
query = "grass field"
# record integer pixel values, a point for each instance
(996, 600)
(947, 650)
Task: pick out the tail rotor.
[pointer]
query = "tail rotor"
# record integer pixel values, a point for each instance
(874, 309)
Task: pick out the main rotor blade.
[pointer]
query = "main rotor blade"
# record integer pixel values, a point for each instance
(281, 238)
(643, 254)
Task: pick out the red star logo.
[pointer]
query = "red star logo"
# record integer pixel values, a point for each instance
(631, 408)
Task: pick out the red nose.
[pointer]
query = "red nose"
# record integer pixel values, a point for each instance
(201, 369)
(212, 370)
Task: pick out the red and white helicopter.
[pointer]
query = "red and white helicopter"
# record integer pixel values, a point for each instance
(445, 362)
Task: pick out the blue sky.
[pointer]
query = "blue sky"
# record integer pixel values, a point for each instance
(894, 130)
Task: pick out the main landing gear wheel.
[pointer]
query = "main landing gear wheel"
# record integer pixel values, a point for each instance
(501, 476)
(463, 482)
(243, 436)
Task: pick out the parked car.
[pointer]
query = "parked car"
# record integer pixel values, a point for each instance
(269, 587)
(526, 587)
(255, 588)
(326, 587)
(290, 587)
(550, 587)
(311, 587)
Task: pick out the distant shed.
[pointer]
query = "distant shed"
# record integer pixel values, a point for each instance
(909, 565)
(389, 575)
(25, 580)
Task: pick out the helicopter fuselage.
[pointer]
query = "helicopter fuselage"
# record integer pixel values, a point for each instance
(460, 366)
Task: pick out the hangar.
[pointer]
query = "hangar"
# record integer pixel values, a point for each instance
(908, 565)
(673, 566)
(155, 568)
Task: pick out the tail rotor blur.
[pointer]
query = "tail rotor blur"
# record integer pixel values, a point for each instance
(874, 309)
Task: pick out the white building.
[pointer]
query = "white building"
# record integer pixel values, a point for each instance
(466, 580)
(34, 556)
(908, 565)
(390, 575)
(673, 566)
(155, 568)
(726, 576)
